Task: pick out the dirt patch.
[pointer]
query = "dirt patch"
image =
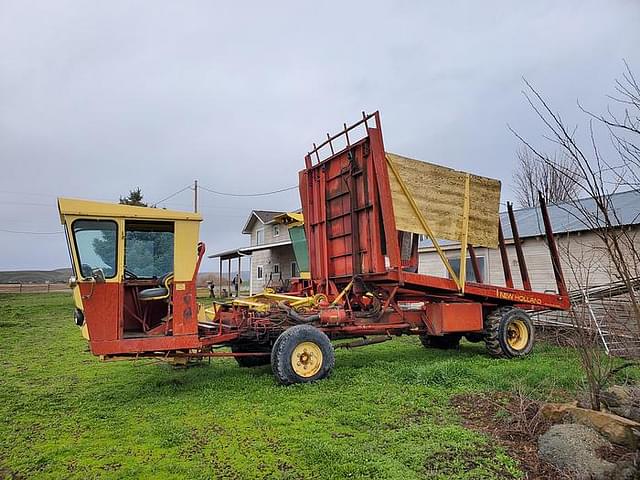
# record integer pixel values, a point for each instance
(491, 414)
(6, 474)
(514, 422)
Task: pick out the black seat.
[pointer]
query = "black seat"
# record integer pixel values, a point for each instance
(161, 292)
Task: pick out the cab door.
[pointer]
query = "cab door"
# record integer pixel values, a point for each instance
(96, 253)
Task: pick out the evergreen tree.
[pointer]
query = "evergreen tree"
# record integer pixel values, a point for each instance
(134, 198)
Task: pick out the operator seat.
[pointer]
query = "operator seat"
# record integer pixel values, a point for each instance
(161, 292)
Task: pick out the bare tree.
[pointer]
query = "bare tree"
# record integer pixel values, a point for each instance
(592, 171)
(532, 176)
(594, 175)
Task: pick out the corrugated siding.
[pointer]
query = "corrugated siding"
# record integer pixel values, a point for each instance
(584, 262)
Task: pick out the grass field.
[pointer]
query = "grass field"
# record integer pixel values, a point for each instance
(384, 413)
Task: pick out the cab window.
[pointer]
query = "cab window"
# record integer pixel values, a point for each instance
(96, 243)
(148, 249)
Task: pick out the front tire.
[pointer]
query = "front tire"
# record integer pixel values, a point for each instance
(509, 333)
(302, 354)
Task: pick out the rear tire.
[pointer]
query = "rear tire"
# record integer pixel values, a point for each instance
(443, 342)
(250, 361)
(508, 332)
(302, 354)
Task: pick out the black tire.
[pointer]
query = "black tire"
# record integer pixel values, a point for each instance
(443, 342)
(508, 332)
(250, 362)
(320, 358)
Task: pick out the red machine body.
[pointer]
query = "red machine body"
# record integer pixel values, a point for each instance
(363, 269)
(351, 232)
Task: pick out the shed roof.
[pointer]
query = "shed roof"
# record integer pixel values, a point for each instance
(568, 217)
(244, 251)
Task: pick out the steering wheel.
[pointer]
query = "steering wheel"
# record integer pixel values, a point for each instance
(129, 274)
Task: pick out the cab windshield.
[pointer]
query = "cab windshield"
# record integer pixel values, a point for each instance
(96, 244)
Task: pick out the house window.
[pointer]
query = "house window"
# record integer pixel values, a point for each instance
(259, 273)
(276, 230)
(294, 270)
(469, 274)
(260, 236)
(276, 268)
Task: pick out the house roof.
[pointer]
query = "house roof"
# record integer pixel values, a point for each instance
(567, 217)
(265, 217)
(244, 251)
(571, 217)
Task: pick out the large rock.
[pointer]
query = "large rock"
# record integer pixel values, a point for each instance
(557, 412)
(618, 396)
(615, 428)
(623, 401)
(573, 448)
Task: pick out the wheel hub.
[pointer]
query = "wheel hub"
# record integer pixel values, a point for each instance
(517, 334)
(306, 359)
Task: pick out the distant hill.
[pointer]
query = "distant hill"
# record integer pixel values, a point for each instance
(60, 275)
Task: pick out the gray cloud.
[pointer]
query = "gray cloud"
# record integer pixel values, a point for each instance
(100, 97)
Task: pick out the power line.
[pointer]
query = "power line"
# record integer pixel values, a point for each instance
(29, 204)
(30, 233)
(247, 194)
(172, 195)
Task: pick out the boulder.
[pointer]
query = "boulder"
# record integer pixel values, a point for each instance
(623, 401)
(614, 428)
(617, 396)
(557, 412)
(574, 448)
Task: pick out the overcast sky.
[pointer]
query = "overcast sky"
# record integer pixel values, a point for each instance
(97, 98)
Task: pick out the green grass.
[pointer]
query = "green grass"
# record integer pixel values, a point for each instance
(384, 413)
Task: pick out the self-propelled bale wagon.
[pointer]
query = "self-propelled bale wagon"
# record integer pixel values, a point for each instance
(135, 269)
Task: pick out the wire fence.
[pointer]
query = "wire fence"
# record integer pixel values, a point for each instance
(33, 287)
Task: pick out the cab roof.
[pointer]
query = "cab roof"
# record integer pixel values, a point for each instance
(71, 206)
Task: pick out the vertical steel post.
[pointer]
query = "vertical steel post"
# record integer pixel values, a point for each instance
(506, 268)
(524, 274)
(239, 276)
(553, 248)
(195, 196)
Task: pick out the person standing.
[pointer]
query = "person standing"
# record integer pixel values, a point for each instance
(237, 281)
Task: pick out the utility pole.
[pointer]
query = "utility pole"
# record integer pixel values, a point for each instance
(195, 196)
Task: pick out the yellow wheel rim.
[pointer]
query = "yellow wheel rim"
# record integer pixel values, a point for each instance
(306, 359)
(517, 334)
